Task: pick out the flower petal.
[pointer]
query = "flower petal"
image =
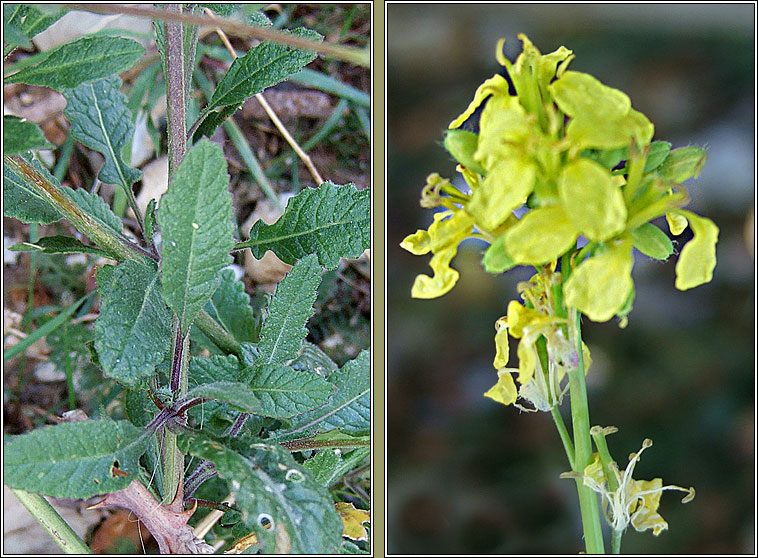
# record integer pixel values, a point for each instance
(599, 287)
(505, 188)
(592, 200)
(501, 344)
(646, 516)
(698, 257)
(444, 278)
(417, 243)
(541, 236)
(496, 82)
(580, 95)
(504, 391)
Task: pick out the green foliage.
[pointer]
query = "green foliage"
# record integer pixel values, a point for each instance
(238, 395)
(195, 215)
(349, 410)
(101, 120)
(263, 66)
(20, 135)
(27, 21)
(22, 201)
(274, 491)
(74, 460)
(285, 392)
(230, 307)
(331, 221)
(58, 244)
(86, 59)
(496, 259)
(652, 241)
(133, 331)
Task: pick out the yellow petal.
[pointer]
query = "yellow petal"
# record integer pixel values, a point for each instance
(592, 200)
(541, 236)
(501, 344)
(496, 82)
(599, 287)
(417, 243)
(677, 223)
(519, 316)
(581, 95)
(352, 521)
(527, 360)
(445, 232)
(504, 391)
(698, 257)
(594, 470)
(609, 133)
(646, 516)
(505, 188)
(503, 125)
(444, 278)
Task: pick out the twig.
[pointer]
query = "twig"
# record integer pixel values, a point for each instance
(271, 114)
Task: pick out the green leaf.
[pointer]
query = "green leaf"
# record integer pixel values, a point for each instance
(150, 222)
(283, 331)
(133, 332)
(24, 203)
(20, 136)
(74, 460)
(195, 216)
(273, 490)
(285, 392)
(313, 359)
(230, 306)
(101, 120)
(238, 395)
(27, 20)
(83, 60)
(96, 207)
(496, 259)
(652, 241)
(206, 370)
(349, 409)
(58, 244)
(331, 221)
(263, 66)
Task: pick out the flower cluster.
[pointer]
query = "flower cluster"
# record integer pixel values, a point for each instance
(577, 162)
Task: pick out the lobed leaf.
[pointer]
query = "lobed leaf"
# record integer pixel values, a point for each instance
(133, 333)
(284, 330)
(74, 460)
(331, 221)
(101, 120)
(195, 216)
(83, 60)
(230, 306)
(20, 136)
(349, 409)
(277, 498)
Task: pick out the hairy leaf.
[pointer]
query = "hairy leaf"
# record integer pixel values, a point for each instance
(331, 221)
(238, 395)
(19, 136)
(96, 207)
(273, 490)
(195, 216)
(349, 409)
(263, 66)
(230, 306)
(58, 244)
(24, 203)
(74, 460)
(133, 332)
(283, 331)
(285, 392)
(83, 60)
(101, 120)
(28, 20)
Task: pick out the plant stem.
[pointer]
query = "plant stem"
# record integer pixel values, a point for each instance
(568, 445)
(580, 419)
(616, 541)
(64, 536)
(176, 100)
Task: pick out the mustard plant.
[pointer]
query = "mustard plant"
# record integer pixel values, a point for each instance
(560, 173)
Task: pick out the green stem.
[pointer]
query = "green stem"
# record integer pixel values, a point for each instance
(63, 535)
(580, 418)
(616, 541)
(568, 445)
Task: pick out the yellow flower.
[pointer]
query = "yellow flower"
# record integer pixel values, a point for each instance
(632, 502)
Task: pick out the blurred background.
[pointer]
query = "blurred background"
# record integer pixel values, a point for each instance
(467, 475)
